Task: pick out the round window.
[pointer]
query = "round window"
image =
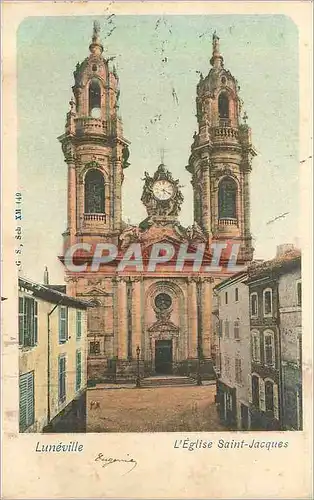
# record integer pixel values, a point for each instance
(163, 301)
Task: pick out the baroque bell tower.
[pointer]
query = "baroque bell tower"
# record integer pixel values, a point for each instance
(95, 150)
(220, 160)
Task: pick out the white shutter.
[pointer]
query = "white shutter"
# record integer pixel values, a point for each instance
(249, 379)
(276, 403)
(262, 394)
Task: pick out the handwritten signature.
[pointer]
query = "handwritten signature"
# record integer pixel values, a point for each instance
(109, 461)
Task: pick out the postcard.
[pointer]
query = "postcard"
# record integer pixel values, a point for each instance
(157, 250)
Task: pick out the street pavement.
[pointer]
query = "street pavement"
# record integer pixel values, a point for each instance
(153, 409)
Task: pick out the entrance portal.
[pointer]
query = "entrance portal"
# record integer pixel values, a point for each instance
(163, 357)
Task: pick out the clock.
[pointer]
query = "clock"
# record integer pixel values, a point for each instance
(163, 190)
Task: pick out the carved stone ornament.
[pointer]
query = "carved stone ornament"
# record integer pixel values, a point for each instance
(168, 207)
(195, 233)
(131, 234)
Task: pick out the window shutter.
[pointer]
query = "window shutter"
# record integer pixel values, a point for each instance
(78, 369)
(63, 320)
(23, 403)
(276, 403)
(78, 324)
(35, 322)
(30, 398)
(258, 348)
(250, 388)
(262, 394)
(26, 400)
(220, 327)
(21, 320)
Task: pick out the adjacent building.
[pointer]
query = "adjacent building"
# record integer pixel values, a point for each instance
(52, 359)
(275, 323)
(234, 354)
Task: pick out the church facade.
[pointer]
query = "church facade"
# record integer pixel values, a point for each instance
(156, 313)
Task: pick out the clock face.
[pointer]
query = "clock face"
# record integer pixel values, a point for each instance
(163, 190)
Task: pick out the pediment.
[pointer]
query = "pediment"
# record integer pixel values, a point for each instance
(96, 291)
(163, 326)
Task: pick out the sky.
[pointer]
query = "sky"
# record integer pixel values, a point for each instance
(261, 51)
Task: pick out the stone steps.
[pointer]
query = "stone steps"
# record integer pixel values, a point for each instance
(167, 381)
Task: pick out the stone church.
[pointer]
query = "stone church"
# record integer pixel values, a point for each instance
(161, 319)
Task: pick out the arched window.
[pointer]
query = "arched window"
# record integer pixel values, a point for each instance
(227, 195)
(256, 346)
(269, 395)
(255, 391)
(254, 305)
(269, 348)
(267, 302)
(94, 98)
(223, 105)
(94, 192)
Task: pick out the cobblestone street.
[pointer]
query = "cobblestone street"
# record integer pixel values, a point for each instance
(156, 409)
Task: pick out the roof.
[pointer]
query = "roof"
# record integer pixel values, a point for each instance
(49, 294)
(274, 267)
(239, 276)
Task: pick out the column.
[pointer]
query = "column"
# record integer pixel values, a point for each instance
(71, 198)
(247, 204)
(122, 320)
(116, 200)
(192, 319)
(136, 316)
(206, 215)
(206, 316)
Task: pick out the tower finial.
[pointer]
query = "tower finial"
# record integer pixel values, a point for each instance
(216, 59)
(96, 46)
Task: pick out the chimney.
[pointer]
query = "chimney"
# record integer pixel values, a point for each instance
(283, 249)
(46, 276)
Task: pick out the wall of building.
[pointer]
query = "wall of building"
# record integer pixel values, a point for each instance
(36, 359)
(291, 343)
(231, 348)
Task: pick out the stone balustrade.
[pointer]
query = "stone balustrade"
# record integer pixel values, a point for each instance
(90, 126)
(95, 217)
(224, 133)
(228, 222)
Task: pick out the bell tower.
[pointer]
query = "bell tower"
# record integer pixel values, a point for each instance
(95, 150)
(220, 160)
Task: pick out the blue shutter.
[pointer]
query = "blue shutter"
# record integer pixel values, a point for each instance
(63, 323)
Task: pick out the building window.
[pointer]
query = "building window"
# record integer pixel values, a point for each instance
(78, 324)
(255, 391)
(226, 297)
(62, 378)
(28, 322)
(267, 302)
(269, 396)
(227, 328)
(63, 324)
(94, 348)
(227, 367)
(94, 96)
(223, 105)
(238, 370)
(269, 349)
(256, 350)
(236, 329)
(94, 192)
(299, 293)
(236, 295)
(26, 400)
(227, 194)
(78, 370)
(221, 327)
(254, 305)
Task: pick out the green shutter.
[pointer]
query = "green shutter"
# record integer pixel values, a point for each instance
(21, 320)
(63, 323)
(78, 370)
(26, 403)
(35, 322)
(78, 324)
